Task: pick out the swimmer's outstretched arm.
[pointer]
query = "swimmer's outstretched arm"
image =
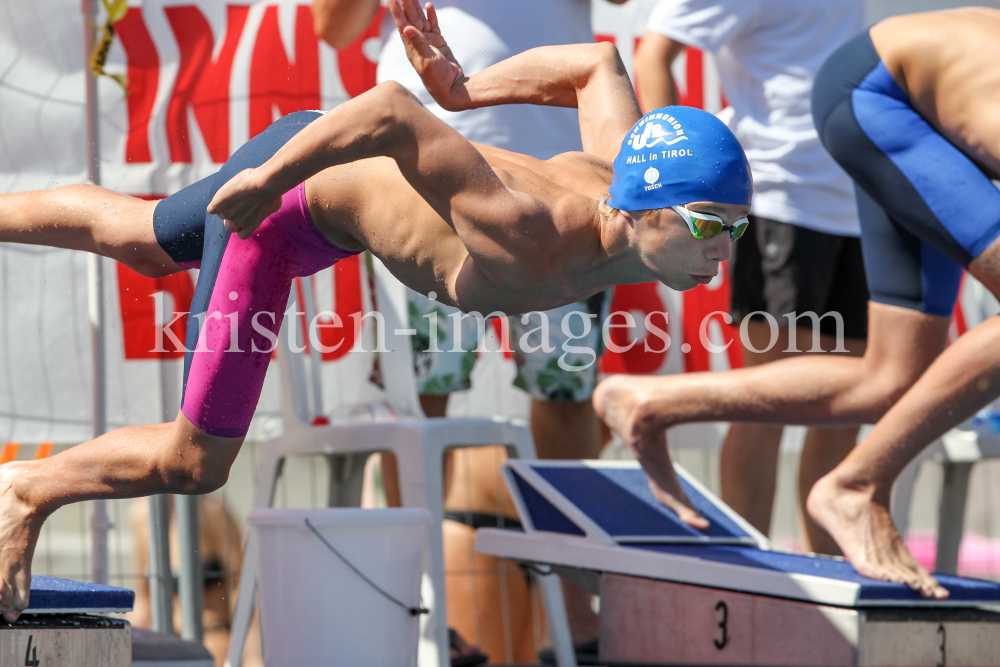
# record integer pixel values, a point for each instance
(589, 77)
(513, 237)
(509, 233)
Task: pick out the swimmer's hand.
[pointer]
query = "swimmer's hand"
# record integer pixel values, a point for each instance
(430, 55)
(244, 202)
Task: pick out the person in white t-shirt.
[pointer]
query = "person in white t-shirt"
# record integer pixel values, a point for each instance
(802, 253)
(482, 33)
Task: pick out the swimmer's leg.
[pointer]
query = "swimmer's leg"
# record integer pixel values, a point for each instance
(162, 458)
(246, 280)
(126, 463)
(912, 174)
(128, 229)
(89, 218)
(852, 502)
(810, 389)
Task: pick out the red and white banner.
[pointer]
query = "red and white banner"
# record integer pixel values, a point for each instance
(205, 76)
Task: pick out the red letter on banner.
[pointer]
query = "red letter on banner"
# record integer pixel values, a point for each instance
(274, 81)
(641, 299)
(143, 79)
(357, 73)
(700, 303)
(346, 301)
(694, 93)
(139, 321)
(202, 83)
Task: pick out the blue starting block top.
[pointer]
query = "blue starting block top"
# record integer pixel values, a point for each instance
(870, 592)
(612, 502)
(64, 596)
(601, 516)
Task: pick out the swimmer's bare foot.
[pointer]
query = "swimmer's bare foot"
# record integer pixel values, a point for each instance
(623, 402)
(20, 524)
(859, 520)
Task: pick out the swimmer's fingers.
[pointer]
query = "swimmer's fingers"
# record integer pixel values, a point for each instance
(666, 488)
(422, 33)
(244, 231)
(432, 19)
(685, 512)
(432, 33)
(246, 223)
(407, 13)
(415, 14)
(6, 597)
(243, 204)
(433, 60)
(12, 603)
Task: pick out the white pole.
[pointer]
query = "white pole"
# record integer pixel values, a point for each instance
(191, 582)
(192, 575)
(99, 524)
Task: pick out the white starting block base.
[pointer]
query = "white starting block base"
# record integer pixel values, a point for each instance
(65, 641)
(650, 622)
(671, 595)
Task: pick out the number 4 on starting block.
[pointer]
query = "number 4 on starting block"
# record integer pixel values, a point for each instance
(60, 628)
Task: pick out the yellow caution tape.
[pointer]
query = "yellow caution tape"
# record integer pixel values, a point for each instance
(116, 10)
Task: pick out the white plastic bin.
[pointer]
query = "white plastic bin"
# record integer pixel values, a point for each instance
(315, 610)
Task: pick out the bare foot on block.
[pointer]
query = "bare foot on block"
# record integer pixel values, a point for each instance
(20, 524)
(863, 528)
(622, 401)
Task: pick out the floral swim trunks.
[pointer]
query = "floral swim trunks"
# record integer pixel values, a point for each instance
(556, 351)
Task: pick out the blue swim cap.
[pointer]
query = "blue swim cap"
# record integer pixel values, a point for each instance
(677, 155)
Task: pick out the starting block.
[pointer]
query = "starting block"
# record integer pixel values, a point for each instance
(59, 628)
(671, 594)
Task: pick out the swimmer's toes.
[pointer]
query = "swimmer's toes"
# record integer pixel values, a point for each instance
(931, 588)
(699, 522)
(895, 576)
(915, 582)
(865, 569)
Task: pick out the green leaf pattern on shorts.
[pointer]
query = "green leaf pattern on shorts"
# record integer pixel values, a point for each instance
(538, 372)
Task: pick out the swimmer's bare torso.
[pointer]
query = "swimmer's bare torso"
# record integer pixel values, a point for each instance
(369, 204)
(485, 229)
(953, 83)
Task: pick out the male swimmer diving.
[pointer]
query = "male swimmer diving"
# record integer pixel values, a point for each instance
(909, 110)
(486, 229)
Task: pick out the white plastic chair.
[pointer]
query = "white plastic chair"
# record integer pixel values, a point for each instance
(396, 426)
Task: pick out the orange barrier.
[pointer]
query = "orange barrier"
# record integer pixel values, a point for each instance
(9, 452)
(43, 450)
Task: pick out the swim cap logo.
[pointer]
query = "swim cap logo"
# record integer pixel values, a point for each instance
(656, 133)
(652, 175)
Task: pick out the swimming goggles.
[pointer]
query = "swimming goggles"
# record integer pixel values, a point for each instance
(705, 225)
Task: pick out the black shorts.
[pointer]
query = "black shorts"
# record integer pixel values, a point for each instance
(779, 269)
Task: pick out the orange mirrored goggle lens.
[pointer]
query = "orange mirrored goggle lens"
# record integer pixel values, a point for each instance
(707, 228)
